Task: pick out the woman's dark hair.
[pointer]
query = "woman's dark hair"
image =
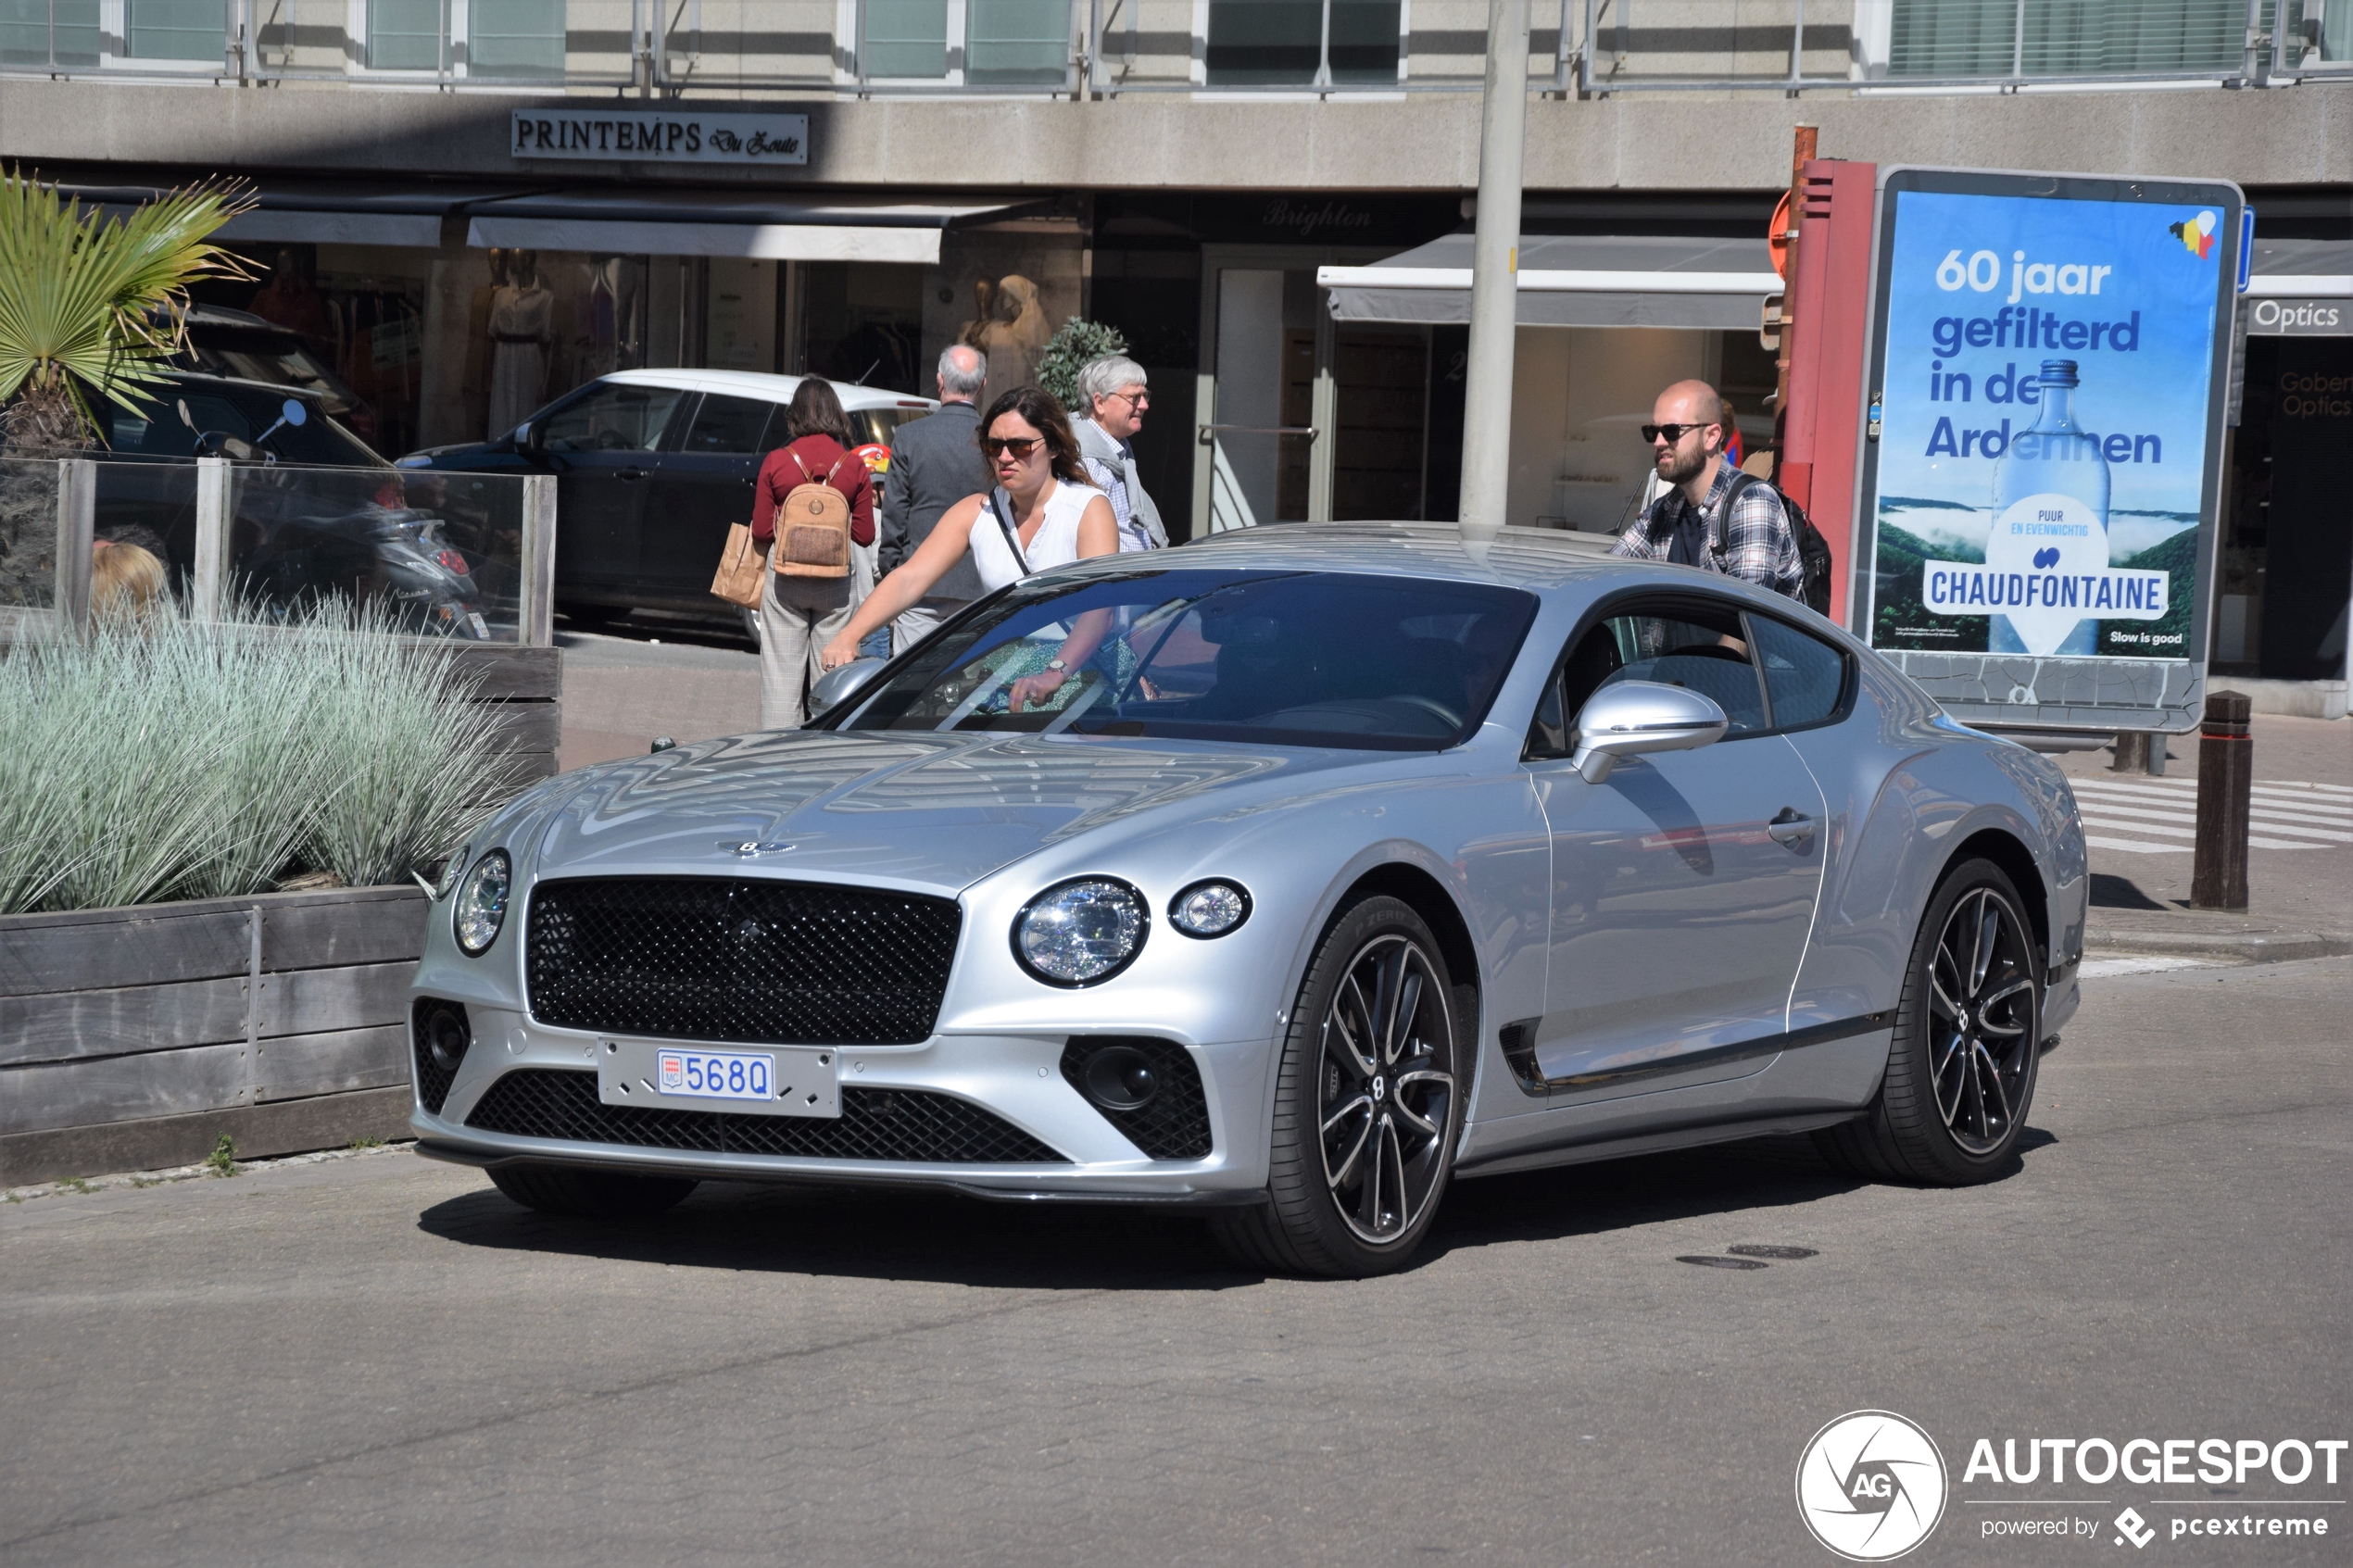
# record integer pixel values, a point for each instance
(1044, 412)
(814, 411)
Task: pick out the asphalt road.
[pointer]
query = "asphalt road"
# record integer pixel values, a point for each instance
(382, 1358)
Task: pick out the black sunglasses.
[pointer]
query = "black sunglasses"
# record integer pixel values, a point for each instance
(1672, 433)
(1021, 447)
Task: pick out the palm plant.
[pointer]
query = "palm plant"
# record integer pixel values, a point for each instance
(92, 302)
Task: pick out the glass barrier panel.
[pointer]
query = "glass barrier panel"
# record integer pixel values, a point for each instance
(148, 507)
(28, 533)
(433, 553)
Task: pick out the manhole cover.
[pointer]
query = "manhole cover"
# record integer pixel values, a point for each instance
(1749, 1251)
(1706, 1262)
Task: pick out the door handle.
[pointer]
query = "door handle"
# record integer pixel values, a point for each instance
(1791, 827)
(631, 473)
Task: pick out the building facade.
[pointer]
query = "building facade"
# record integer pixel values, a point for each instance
(471, 206)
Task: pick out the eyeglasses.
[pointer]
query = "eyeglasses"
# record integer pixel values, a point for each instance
(1672, 433)
(1019, 446)
(1133, 399)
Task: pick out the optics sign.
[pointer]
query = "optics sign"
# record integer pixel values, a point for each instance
(2048, 364)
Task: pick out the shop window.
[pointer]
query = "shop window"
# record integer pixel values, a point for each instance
(1939, 38)
(405, 34)
(1382, 381)
(174, 29)
(515, 37)
(1016, 42)
(614, 417)
(907, 38)
(41, 31)
(864, 324)
(1257, 42)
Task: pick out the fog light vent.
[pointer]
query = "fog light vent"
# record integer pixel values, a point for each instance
(439, 1035)
(1147, 1087)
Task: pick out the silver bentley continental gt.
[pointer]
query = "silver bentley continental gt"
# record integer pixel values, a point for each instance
(1289, 877)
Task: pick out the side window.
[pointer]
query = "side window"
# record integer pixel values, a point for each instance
(730, 426)
(1698, 646)
(158, 430)
(1806, 675)
(611, 418)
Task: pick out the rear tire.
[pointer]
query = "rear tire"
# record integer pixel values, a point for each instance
(590, 1195)
(1961, 1069)
(1369, 1103)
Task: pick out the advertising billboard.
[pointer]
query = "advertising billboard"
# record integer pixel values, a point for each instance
(2050, 359)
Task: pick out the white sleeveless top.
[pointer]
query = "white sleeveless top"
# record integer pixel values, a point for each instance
(1055, 543)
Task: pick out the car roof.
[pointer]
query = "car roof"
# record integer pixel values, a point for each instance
(1536, 558)
(775, 389)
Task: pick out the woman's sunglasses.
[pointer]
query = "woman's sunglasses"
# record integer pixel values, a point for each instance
(1020, 446)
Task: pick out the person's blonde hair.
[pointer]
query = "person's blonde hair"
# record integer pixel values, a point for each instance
(125, 580)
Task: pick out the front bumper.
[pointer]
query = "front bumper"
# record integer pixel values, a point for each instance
(1074, 1152)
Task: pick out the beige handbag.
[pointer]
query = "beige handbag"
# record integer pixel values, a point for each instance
(740, 578)
(812, 527)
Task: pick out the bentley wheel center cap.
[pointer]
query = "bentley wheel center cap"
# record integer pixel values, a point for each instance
(1380, 1087)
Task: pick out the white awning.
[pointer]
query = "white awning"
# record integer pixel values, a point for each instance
(699, 223)
(1571, 281)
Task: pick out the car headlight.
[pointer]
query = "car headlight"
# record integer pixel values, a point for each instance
(1209, 909)
(482, 902)
(1081, 932)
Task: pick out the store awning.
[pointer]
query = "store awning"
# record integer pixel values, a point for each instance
(2300, 268)
(1571, 281)
(714, 223)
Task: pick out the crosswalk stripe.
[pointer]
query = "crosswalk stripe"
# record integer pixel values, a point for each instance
(2300, 808)
(2134, 846)
(2253, 842)
(2262, 821)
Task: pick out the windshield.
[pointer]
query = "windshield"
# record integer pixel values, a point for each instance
(873, 427)
(1288, 659)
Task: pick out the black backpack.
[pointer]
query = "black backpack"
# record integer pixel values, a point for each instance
(1813, 550)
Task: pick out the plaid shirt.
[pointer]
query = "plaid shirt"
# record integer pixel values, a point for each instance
(1758, 544)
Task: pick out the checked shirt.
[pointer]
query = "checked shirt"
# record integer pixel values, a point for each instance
(1759, 545)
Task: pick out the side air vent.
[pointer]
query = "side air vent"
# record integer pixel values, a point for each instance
(1147, 1087)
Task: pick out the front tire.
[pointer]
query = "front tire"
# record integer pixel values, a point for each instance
(1368, 1104)
(590, 1195)
(1961, 1069)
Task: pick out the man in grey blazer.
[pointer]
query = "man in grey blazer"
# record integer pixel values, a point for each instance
(935, 462)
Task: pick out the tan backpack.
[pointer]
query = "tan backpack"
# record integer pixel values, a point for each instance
(812, 526)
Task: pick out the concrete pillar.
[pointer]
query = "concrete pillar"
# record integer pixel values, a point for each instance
(1487, 397)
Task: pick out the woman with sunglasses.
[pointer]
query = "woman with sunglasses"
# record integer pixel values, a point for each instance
(1041, 513)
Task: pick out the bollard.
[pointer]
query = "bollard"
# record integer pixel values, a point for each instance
(2225, 769)
(2139, 751)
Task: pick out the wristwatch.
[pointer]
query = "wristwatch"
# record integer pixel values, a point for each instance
(1058, 667)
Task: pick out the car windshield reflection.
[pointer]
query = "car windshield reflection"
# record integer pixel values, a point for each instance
(1290, 659)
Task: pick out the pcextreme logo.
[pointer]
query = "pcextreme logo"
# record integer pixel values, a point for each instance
(1870, 1486)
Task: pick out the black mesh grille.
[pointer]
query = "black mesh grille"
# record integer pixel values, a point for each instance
(717, 958)
(1172, 1124)
(906, 1125)
(433, 1079)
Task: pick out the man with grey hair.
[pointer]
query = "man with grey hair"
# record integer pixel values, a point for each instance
(935, 462)
(1112, 390)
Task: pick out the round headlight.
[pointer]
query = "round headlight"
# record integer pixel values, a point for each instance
(1077, 933)
(482, 902)
(1209, 909)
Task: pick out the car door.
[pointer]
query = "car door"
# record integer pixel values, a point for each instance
(1684, 885)
(702, 483)
(603, 448)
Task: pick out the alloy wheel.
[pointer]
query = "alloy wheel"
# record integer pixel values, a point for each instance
(1386, 1088)
(1981, 1043)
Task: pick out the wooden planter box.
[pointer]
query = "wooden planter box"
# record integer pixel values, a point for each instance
(132, 1038)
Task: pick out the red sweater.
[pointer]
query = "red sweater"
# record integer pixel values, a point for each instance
(780, 476)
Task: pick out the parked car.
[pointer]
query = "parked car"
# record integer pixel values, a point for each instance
(316, 511)
(651, 466)
(238, 344)
(1357, 861)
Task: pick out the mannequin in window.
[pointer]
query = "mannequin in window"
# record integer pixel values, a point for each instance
(522, 318)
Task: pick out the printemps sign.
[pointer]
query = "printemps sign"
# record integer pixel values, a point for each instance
(1871, 1486)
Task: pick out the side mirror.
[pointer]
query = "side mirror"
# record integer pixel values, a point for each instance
(837, 686)
(1634, 717)
(526, 439)
(295, 414)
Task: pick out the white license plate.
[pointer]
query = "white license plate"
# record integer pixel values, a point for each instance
(715, 1074)
(781, 1081)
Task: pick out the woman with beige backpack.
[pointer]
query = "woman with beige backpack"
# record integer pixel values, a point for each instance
(814, 520)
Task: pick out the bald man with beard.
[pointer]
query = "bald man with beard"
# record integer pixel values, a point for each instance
(1712, 516)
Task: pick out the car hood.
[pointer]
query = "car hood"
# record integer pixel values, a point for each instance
(916, 810)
